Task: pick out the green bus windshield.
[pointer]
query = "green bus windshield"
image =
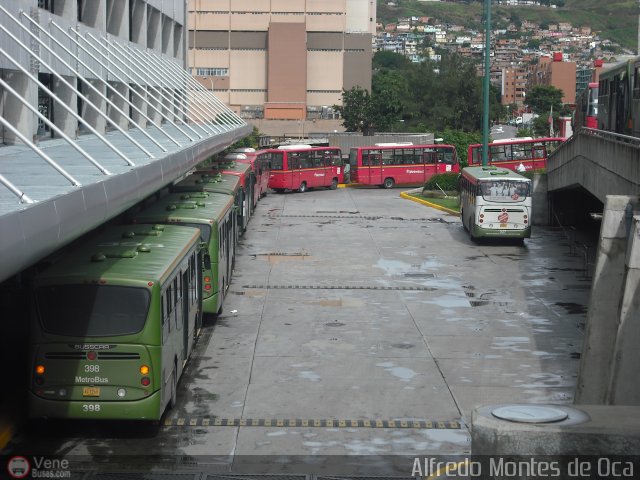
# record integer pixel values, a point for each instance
(92, 310)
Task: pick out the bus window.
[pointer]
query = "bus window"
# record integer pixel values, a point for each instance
(429, 156)
(81, 310)
(387, 157)
(318, 159)
(504, 191)
(447, 156)
(276, 161)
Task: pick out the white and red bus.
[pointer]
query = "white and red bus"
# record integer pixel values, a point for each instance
(517, 154)
(389, 164)
(300, 167)
(259, 161)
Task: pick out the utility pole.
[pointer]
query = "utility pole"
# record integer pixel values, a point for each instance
(487, 73)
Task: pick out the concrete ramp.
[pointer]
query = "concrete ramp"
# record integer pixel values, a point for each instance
(603, 163)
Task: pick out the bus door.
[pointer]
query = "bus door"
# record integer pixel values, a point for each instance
(295, 176)
(185, 315)
(430, 158)
(321, 171)
(336, 168)
(375, 167)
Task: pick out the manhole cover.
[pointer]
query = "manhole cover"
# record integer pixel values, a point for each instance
(530, 414)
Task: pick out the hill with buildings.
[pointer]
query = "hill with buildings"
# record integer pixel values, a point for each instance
(615, 20)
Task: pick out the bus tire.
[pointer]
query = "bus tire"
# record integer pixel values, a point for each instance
(303, 187)
(334, 184)
(388, 182)
(464, 225)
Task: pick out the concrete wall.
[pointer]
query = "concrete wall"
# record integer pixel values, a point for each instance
(600, 162)
(609, 361)
(540, 200)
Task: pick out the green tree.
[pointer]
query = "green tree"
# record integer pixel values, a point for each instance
(252, 141)
(366, 113)
(461, 140)
(542, 97)
(390, 60)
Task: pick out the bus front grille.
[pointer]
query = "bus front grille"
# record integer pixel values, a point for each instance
(83, 356)
(65, 355)
(118, 356)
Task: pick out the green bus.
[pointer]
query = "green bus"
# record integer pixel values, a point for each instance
(114, 322)
(225, 183)
(212, 213)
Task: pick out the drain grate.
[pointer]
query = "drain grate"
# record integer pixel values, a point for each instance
(365, 217)
(339, 287)
(212, 421)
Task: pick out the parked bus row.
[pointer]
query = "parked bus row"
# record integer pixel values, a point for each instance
(302, 167)
(116, 317)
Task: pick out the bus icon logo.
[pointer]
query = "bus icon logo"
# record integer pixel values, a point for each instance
(18, 467)
(503, 217)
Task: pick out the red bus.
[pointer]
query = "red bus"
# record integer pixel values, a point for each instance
(517, 154)
(387, 164)
(300, 167)
(247, 184)
(586, 114)
(259, 161)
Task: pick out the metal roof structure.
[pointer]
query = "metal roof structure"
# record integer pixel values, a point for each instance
(157, 124)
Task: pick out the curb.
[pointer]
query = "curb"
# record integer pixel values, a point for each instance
(407, 196)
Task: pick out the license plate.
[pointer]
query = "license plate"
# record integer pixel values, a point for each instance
(90, 391)
(503, 225)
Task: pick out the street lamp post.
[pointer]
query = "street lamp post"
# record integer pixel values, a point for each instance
(211, 80)
(487, 67)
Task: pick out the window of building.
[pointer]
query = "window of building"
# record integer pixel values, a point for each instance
(212, 71)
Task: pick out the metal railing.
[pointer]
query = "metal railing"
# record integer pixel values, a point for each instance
(158, 84)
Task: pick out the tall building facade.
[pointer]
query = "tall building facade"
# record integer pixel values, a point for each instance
(557, 73)
(281, 59)
(514, 86)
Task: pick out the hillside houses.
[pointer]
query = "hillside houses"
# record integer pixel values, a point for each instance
(514, 50)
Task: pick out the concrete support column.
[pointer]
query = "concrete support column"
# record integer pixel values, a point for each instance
(14, 111)
(540, 199)
(62, 118)
(90, 114)
(154, 99)
(120, 103)
(604, 304)
(624, 388)
(140, 104)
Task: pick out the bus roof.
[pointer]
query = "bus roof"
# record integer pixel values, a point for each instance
(219, 183)
(393, 144)
(123, 254)
(492, 173)
(235, 156)
(522, 140)
(294, 147)
(191, 207)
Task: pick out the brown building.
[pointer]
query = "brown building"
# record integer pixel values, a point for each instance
(514, 85)
(281, 59)
(553, 71)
